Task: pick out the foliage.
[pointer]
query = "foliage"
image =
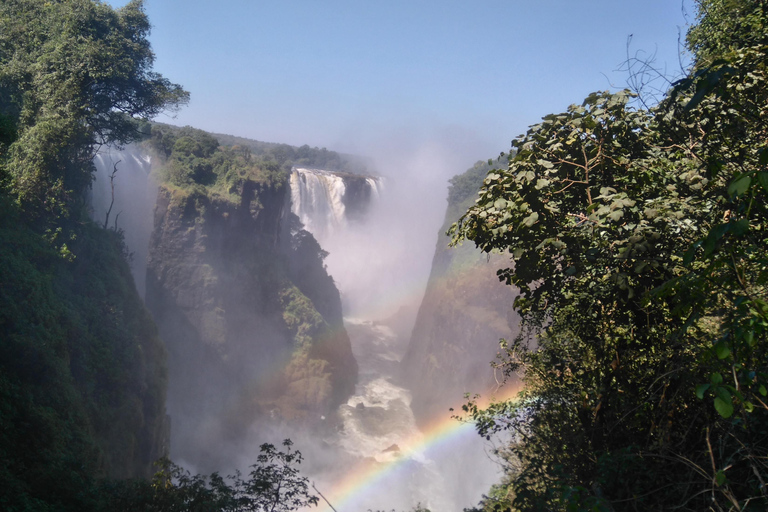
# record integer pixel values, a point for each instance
(724, 27)
(638, 242)
(194, 162)
(220, 165)
(463, 188)
(303, 156)
(82, 370)
(72, 74)
(272, 485)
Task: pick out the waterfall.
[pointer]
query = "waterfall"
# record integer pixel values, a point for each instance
(317, 198)
(134, 201)
(375, 185)
(326, 201)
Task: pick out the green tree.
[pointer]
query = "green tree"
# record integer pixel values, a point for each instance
(82, 370)
(272, 485)
(638, 244)
(73, 75)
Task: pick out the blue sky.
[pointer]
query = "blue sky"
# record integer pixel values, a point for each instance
(366, 76)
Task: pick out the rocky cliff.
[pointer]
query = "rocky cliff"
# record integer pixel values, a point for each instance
(464, 313)
(250, 317)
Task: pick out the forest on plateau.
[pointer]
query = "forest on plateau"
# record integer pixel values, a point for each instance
(633, 232)
(638, 241)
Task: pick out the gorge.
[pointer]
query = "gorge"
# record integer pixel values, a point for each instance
(257, 347)
(209, 296)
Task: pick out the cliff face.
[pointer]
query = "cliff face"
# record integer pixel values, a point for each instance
(251, 319)
(464, 313)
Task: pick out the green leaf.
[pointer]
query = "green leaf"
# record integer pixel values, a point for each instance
(724, 393)
(762, 178)
(545, 164)
(715, 234)
(739, 185)
(763, 391)
(722, 350)
(749, 406)
(531, 219)
(701, 390)
(739, 227)
(723, 408)
(762, 158)
(720, 477)
(716, 378)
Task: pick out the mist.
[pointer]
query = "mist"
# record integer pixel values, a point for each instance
(381, 266)
(384, 264)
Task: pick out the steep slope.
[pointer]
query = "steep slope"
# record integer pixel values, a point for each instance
(82, 370)
(464, 313)
(251, 319)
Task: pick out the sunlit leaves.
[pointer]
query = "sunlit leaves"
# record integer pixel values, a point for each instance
(74, 74)
(639, 246)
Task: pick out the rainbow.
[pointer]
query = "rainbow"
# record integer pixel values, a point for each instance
(440, 435)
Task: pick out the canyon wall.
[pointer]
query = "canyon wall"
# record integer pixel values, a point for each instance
(464, 314)
(251, 319)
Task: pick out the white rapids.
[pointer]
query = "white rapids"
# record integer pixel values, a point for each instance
(379, 427)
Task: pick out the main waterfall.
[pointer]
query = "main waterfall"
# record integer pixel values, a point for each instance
(326, 201)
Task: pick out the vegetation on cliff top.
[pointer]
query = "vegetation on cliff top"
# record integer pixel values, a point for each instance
(195, 161)
(639, 248)
(268, 258)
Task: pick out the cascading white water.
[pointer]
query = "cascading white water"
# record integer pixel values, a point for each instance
(317, 198)
(134, 200)
(375, 185)
(326, 202)
(378, 429)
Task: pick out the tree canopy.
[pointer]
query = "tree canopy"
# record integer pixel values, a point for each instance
(73, 75)
(638, 243)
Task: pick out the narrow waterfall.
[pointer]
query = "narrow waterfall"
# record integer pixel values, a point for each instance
(131, 193)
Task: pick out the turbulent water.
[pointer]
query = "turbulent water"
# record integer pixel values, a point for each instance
(388, 462)
(379, 430)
